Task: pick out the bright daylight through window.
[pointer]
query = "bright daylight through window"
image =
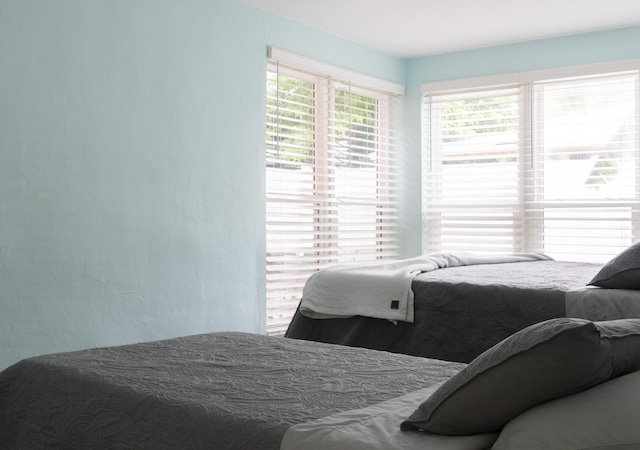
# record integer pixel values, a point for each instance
(329, 175)
(544, 161)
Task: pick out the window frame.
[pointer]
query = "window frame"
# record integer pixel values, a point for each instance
(533, 238)
(327, 79)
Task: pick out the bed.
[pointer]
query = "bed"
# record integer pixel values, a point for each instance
(220, 390)
(244, 391)
(460, 310)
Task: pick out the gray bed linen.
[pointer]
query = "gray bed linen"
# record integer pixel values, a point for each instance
(460, 311)
(220, 390)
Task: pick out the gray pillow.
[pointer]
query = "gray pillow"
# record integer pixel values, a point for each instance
(622, 272)
(545, 361)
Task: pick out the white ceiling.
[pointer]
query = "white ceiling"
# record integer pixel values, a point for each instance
(413, 28)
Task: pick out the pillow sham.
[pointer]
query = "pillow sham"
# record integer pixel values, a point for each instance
(622, 272)
(605, 416)
(542, 362)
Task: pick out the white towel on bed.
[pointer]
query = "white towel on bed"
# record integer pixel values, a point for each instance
(383, 290)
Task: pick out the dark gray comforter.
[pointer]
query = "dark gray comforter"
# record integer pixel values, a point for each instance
(460, 311)
(220, 390)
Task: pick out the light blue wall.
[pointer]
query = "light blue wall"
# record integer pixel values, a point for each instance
(131, 160)
(587, 48)
(131, 167)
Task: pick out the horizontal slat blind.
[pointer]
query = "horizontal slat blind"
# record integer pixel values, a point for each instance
(584, 177)
(331, 194)
(471, 181)
(549, 164)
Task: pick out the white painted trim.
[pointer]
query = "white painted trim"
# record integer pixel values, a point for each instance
(295, 61)
(449, 86)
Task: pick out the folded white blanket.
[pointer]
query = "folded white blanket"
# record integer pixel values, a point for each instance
(383, 290)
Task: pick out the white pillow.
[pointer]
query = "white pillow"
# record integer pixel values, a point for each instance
(605, 416)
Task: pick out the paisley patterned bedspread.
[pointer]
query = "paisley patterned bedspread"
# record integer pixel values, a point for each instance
(219, 390)
(460, 311)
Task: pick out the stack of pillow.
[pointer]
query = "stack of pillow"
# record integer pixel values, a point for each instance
(537, 388)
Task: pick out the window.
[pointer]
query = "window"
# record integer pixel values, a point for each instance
(329, 175)
(545, 161)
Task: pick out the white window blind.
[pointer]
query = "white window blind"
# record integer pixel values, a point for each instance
(330, 168)
(538, 162)
(472, 177)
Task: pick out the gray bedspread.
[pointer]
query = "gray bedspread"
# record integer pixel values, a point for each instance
(220, 390)
(460, 311)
